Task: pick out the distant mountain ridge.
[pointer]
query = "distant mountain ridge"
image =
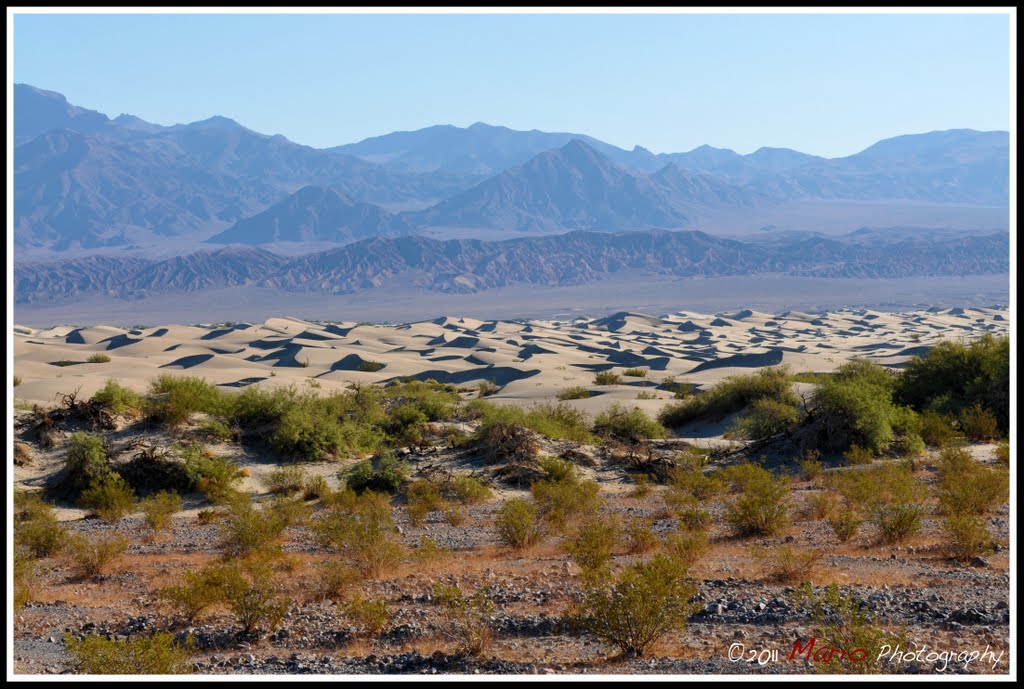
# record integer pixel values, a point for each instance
(473, 265)
(85, 181)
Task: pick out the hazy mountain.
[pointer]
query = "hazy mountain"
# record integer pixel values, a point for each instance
(37, 111)
(573, 187)
(472, 265)
(313, 214)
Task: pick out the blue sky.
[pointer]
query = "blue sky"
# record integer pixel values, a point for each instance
(824, 84)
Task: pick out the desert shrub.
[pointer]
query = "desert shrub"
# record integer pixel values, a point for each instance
(820, 505)
(967, 487)
(246, 530)
(23, 573)
(405, 422)
(109, 499)
(575, 392)
(841, 621)
(766, 418)
(739, 476)
(427, 550)
(966, 537)
(197, 591)
(688, 510)
(507, 442)
(641, 486)
(254, 406)
(877, 484)
(214, 475)
(627, 425)
(639, 537)
(466, 619)
(518, 524)
(173, 400)
(645, 395)
(647, 601)
(810, 466)
(315, 487)
(686, 547)
(695, 483)
(367, 539)
(486, 388)
(978, 423)
(208, 516)
(17, 381)
(255, 601)
(784, 564)
(730, 395)
(371, 615)
(369, 366)
(336, 581)
(312, 432)
(556, 469)
(422, 497)
(857, 455)
(160, 654)
(117, 399)
(762, 509)
(1003, 454)
(592, 545)
(98, 358)
(36, 528)
(953, 376)
(912, 446)
(285, 479)
(607, 378)
(454, 516)
(385, 475)
(89, 556)
(937, 429)
(845, 523)
(558, 421)
(469, 491)
(559, 501)
(635, 372)
(158, 509)
(217, 429)
(899, 521)
(437, 401)
(87, 464)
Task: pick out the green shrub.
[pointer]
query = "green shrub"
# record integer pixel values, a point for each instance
(639, 537)
(197, 591)
(810, 466)
(627, 425)
(912, 446)
(24, 575)
(216, 476)
(646, 602)
(592, 545)
(487, 388)
(559, 501)
(937, 429)
(159, 509)
(160, 654)
(641, 486)
(109, 499)
(692, 517)
(556, 469)
(470, 491)
(730, 395)
(576, 392)
(967, 487)
(17, 381)
(336, 581)
(36, 528)
(645, 395)
(899, 521)
(695, 483)
(607, 378)
(857, 455)
(454, 516)
(90, 556)
(966, 537)
(784, 564)
(98, 358)
(285, 480)
(979, 424)
(246, 530)
(369, 366)
(686, 547)
(1003, 454)
(315, 487)
(385, 475)
(517, 524)
(117, 399)
(739, 476)
(820, 505)
(219, 430)
(762, 509)
(366, 539)
(173, 400)
(845, 524)
(87, 464)
(371, 615)
(466, 619)
(422, 497)
(437, 401)
(558, 421)
(635, 372)
(255, 601)
(766, 418)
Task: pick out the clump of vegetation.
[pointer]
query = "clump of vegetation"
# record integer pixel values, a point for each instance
(160, 654)
(98, 358)
(437, 401)
(639, 537)
(336, 581)
(487, 388)
(158, 509)
(810, 466)
(255, 600)
(383, 475)
(765, 418)
(370, 366)
(937, 429)
(469, 490)
(371, 615)
(968, 487)
(466, 619)
(89, 556)
(214, 475)
(592, 545)
(627, 425)
(979, 424)
(762, 509)
(559, 500)
(87, 464)
(576, 392)
(246, 530)
(966, 537)
(17, 380)
(24, 574)
(109, 499)
(197, 591)
(820, 505)
(635, 372)
(313, 428)
(117, 399)
(518, 524)
(647, 601)
(845, 523)
(898, 522)
(1003, 454)
(641, 486)
(729, 396)
(422, 497)
(784, 564)
(889, 493)
(686, 547)
(36, 528)
(607, 378)
(173, 400)
(315, 487)
(285, 480)
(365, 536)
(857, 456)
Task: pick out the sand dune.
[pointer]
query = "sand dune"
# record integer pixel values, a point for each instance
(530, 361)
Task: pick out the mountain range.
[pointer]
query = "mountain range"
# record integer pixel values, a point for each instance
(471, 265)
(84, 181)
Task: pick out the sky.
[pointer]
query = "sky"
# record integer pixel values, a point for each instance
(824, 84)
